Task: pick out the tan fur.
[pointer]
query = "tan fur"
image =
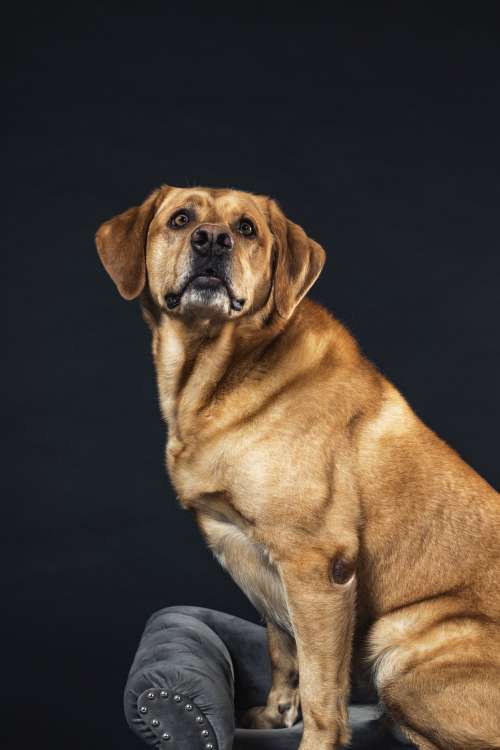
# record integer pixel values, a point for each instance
(296, 455)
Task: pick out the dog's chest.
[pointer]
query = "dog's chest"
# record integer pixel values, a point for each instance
(201, 476)
(259, 474)
(250, 566)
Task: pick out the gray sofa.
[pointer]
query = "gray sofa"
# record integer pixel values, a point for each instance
(196, 668)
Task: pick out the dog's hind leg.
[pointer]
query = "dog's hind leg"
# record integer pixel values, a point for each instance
(447, 704)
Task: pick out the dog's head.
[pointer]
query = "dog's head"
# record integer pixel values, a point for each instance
(210, 253)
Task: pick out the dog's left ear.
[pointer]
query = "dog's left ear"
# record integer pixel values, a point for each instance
(298, 261)
(121, 244)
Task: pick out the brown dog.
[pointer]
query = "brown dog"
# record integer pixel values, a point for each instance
(336, 510)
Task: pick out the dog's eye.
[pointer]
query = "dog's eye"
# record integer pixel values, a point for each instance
(246, 227)
(180, 219)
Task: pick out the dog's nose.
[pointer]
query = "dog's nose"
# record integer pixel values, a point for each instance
(211, 239)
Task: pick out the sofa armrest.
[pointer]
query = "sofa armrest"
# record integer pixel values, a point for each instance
(180, 689)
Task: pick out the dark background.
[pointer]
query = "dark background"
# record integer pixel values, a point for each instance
(377, 128)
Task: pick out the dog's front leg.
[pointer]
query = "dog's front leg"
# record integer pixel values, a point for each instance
(282, 706)
(320, 592)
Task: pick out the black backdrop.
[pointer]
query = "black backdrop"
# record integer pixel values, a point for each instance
(377, 129)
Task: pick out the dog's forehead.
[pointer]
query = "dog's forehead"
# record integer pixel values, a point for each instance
(218, 202)
(231, 202)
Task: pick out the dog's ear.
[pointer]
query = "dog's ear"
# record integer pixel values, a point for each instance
(298, 261)
(121, 244)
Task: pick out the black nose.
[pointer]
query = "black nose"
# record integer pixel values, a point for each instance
(211, 239)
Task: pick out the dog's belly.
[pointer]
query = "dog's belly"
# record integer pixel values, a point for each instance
(250, 566)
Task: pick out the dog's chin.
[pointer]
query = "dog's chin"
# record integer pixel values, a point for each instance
(206, 300)
(207, 297)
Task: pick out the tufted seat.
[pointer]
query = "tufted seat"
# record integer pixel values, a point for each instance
(195, 668)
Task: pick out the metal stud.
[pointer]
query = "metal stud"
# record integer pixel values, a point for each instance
(163, 694)
(205, 733)
(188, 707)
(177, 698)
(165, 736)
(155, 723)
(200, 719)
(143, 709)
(151, 696)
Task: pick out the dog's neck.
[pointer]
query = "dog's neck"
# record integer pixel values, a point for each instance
(200, 365)
(198, 361)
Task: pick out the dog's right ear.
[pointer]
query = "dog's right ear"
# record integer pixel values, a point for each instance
(121, 244)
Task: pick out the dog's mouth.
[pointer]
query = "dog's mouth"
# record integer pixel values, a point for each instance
(207, 281)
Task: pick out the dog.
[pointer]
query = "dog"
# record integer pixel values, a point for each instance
(342, 517)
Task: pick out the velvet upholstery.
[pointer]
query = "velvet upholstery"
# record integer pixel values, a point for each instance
(195, 668)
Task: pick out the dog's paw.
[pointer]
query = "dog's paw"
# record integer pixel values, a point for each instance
(282, 716)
